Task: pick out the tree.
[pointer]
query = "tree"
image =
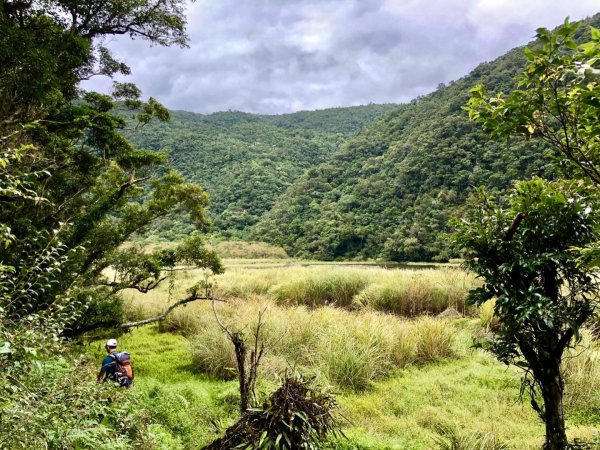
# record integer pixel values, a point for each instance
(87, 188)
(533, 252)
(528, 251)
(72, 190)
(558, 100)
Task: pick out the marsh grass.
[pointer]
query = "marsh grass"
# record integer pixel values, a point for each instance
(472, 393)
(349, 345)
(398, 291)
(345, 348)
(434, 338)
(321, 288)
(581, 370)
(450, 438)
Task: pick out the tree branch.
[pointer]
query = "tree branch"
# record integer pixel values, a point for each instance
(513, 227)
(132, 180)
(163, 316)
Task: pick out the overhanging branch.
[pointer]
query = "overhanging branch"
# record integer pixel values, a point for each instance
(163, 316)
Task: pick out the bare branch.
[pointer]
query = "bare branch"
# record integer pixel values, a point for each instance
(221, 324)
(163, 316)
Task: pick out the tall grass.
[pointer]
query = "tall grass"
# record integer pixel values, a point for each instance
(344, 348)
(334, 288)
(350, 345)
(581, 370)
(248, 250)
(450, 438)
(402, 292)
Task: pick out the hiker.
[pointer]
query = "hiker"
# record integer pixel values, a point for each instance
(116, 366)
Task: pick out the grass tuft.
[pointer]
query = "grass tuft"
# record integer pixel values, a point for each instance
(451, 438)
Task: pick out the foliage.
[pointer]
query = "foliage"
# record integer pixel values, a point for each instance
(389, 192)
(57, 405)
(526, 252)
(69, 181)
(246, 161)
(296, 416)
(72, 190)
(537, 265)
(557, 100)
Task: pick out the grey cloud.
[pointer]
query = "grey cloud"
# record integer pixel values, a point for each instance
(269, 56)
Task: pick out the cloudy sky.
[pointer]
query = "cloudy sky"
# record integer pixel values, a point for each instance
(275, 56)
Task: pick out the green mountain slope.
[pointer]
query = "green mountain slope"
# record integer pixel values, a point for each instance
(246, 161)
(389, 192)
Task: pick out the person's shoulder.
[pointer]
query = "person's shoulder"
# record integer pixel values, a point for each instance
(107, 359)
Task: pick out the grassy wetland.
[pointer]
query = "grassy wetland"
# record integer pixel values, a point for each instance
(395, 345)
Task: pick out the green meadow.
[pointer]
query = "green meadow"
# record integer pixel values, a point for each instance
(395, 345)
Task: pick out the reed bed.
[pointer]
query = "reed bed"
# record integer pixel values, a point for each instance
(345, 325)
(344, 348)
(403, 292)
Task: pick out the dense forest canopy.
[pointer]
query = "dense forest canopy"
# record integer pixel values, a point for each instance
(246, 161)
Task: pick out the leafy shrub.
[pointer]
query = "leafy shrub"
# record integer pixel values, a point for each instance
(59, 406)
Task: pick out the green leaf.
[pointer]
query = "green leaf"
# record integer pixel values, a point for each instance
(5, 348)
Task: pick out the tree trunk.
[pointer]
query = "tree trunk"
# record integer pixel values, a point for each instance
(552, 391)
(240, 356)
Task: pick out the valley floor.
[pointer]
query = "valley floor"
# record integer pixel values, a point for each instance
(433, 390)
(473, 394)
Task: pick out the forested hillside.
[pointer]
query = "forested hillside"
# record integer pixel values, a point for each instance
(389, 192)
(246, 161)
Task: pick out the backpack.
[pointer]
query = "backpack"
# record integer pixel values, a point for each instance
(124, 370)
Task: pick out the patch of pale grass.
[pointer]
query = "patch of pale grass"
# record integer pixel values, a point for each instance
(321, 287)
(398, 291)
(411, 293)
(581, 371)
(248, 250)
(345, 348)
(435, 339)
